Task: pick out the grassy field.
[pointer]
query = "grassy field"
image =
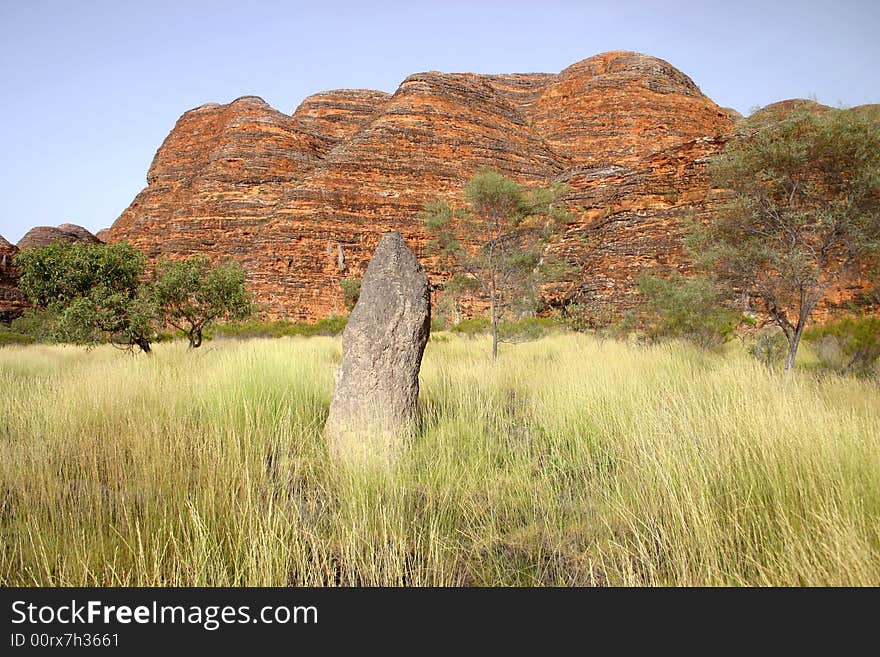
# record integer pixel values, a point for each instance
(569, 462)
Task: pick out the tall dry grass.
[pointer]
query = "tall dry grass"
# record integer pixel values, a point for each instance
(569, 461)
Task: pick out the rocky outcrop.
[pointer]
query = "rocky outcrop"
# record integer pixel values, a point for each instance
(375, 400)
(41, 236)
(619, 107)
(340, 113)
(12, 301)
(301, 200)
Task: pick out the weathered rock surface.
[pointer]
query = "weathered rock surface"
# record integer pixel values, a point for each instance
(340, 113)
(12, 302)
(375, 401)
(41, 236)
(619, 107)
(283, 194)
(286, 194)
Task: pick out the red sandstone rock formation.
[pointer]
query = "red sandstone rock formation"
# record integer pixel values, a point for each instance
(301, 200)
(12, 302)
(45, 235)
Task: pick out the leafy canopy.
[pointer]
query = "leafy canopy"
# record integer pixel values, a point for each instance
(692, 309)
(803, 211)
(92, 292)
(496, 244)
(192, 294)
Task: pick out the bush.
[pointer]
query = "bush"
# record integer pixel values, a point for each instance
(471, 327)
(526, 329)
(10, 337)
(848, 346)
(768, 347)
(580, 318)
(330, 326)
(691, 309)
(255, 328)
(351, 291)
(39, 325)
(583, 319)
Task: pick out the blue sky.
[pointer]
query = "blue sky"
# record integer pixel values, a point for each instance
(92, 87)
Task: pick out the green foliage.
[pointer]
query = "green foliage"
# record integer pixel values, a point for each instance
(767, 347)
(40, 325)
(497, 243)
(57, 274)
(691, 309)
(192, 294)
(527, 329)
(848, 346)
(351, 291)
(12, 337)
(584, 319)
(92, 292)
(329, 326)
(804, 211)
(255, 328)
(471, 327)
(581, 318)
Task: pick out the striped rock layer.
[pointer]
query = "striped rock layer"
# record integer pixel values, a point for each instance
(301, 200)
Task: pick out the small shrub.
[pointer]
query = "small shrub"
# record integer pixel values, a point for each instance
(768, 347)
(351, 291)
(39, 325)
(255, 328)
(580, 318)
(526, 329)
(330, 326)
(691, 309)
(848, 346)
(9, 337)
(471, 327)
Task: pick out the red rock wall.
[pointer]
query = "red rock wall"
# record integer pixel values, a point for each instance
(12, 302)
(282, 194)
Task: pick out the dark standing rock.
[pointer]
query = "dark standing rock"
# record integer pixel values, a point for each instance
(375, 403)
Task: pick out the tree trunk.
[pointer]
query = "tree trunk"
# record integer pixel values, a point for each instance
(494, 314)
(195, 339)
(793, 345)
(144, 345)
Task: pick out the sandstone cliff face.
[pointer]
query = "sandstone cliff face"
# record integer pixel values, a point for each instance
(340, 113)
(12, 302)
(301, 200)
(41, 236)
(620, 107)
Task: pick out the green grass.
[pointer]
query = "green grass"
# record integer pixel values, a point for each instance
(570, 461)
